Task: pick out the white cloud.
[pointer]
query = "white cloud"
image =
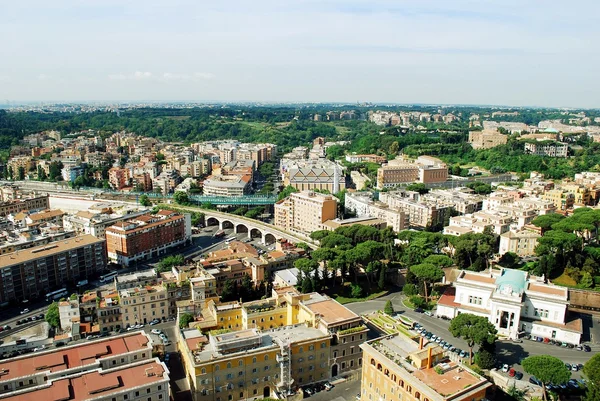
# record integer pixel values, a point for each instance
(197, 76)
(139, 75)
(43, 77)
(117, 77)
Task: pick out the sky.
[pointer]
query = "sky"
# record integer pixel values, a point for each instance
(492, 52)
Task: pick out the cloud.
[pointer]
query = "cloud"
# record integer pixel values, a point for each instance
(43, 77)
(197, 76)
(165, 77)
(137, 76)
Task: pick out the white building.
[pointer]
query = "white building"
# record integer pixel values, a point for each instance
(515, 302)
(69, 313)
(555, 149)
(522, 243)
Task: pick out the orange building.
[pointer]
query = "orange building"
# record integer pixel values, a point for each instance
(147, 236)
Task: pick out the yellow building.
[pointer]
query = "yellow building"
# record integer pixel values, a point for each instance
(561, 198)
(582, 194)
(387, 373)
(312, 323)
(305, 212)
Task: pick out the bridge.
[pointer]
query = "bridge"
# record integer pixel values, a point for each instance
(268, 233)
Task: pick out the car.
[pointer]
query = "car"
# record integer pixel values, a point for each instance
(129, 328)
(6, 327)
(155, 321)
(452, 349)
(428, 313)
(163, 337)
(518, 375)
(587, 348)
(167, 357)
(573, 385)
(447, 347)
(24, 311)
(328, 386)
(429, 335)
(433, 337)
(419, 310)
(166, 343)
(33, 318)
(308, 391)
(156, 331)
(574, 367)
(457, 351)
(511, 372)
(579, 347)
(463, 354)
(535, 380)
(580, 366)
(568, 366)
(92, 337)
(423, 333)
(571, 346)
(104, 334)
(505, 368)
(438, 340)
(40, 348)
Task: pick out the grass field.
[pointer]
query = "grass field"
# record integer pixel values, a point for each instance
(346, 300)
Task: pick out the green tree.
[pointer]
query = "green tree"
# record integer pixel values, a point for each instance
(287, 191)
(185, 319)
(586, 281)
(394, 148)
(546, 221)
(516, 393)
(168, 262)
(548, 369)
(181, 198)
(356, 291)
(53, 316)
(21, 173)
(427, 274)
(418, 187)
(145, 201)
(389, 308)
(410, 290)
(41, 173)
(229, 292)
(247, 291)
(485, 357)
(591, 369)
(510, 260)
(474, 330)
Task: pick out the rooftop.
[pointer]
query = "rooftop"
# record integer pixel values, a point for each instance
(331, 312)
(96, 383)
(53, 248)
(71, 357)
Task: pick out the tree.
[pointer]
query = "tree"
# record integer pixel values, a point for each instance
(474, 330)
(418, 187)
(394, 148)
(287, 191)
(53, 316)
(546, 221)
(591, 369)
(427, 273)
(229, 292)
(410, 290)
(41, 173)
(586, 280)
(181, 198)
(485, 357)
(21, 173)
(516, 394)
(247, 288)
(389, 308)
(145, 201)
(548, 369)
(510, 260)
(185, 319)
(356, 291)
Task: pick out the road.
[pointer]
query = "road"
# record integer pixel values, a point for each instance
(345, 391)
(507, 352)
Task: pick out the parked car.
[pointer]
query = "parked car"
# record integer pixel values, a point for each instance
(463, 354)
(156, 331)
(155, 321)
(511, 372)
(167, 357)
(40, 348)
(92, 337)
(6, 327)
(328, 386)
(505, 368)
(587, 348)
(428, 313)
(24, 311)
(535, 380)
(419, 310)
(568, 366)
(518, 375)
(574, 367)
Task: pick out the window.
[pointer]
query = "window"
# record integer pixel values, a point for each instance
(240, 363)
(228, 365)
(203, 371)
(137, 393)
(266, 357)
(217, 367)
(253, 360)
(311, 347)
(323, 345)
(160, 397)
(159, 387)
(147, 391)
(254, 370)
(301, 349)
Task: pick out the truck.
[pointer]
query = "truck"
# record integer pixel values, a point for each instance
(219, 234)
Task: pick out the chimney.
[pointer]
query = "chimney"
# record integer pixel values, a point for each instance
(429, 357)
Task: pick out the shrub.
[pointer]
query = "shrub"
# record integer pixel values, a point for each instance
(389, 308)
(410, 290)
(356, 291)
(417, 301)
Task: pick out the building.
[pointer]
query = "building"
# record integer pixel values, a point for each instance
(396, 368)
(365, 159)
(141, 305)
(549, 149)
(69, 313)
(227, 185)
(424, 169)
(486, 139)
(320, 174)
(363, 205)
(53, 216)
(562, 199)
(147, 236)
(276, 344)
(332, 225)
(11, 241)
(86, 222)
(119, 178)
(422, 212)
(515, 302)
(522, 243)
(120, 368)
(305, 212)
(33, 272)
(166, 181)
(13, 205)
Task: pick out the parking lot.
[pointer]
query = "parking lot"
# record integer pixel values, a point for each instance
(342, 391)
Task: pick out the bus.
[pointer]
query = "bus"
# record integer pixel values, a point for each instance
(56, 295)
(105, 278)
(228, 240)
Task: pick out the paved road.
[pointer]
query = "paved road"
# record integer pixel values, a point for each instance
(345, 391)
(507, 351)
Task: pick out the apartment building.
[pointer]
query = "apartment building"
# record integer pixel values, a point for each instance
(198, 168)
(515, 303)
(552, 149)
(11, 241)
(305, 212)
(31, 273)
(227, 185)
(10, 205)
(395, 367)
(424, 169)
(53, 216)
(166, 181)
(109, 315)
(69, 313)
(522, 242)
(119, 178)
(20, 162)
(319, 173)
(365, 159)
(421, 213)
(486, 139)
(120, 368)
(147, 236)
(463, 200)
(86, 222)
(141, 305)
(363, 205)
(562, 199)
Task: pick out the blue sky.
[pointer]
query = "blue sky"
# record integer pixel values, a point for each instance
(509, 52)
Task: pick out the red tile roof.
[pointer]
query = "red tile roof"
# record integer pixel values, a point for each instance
(447, 299)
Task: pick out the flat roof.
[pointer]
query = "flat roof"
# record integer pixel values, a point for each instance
(453, 380)
(53, 248)
(547, 289)
(97, 383)
(79, 355)
(331, 311)
(479, 278)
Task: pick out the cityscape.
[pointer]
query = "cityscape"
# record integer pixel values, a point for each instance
(277, 201)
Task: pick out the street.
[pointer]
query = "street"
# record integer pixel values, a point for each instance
(344, 391)
(507, 352)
